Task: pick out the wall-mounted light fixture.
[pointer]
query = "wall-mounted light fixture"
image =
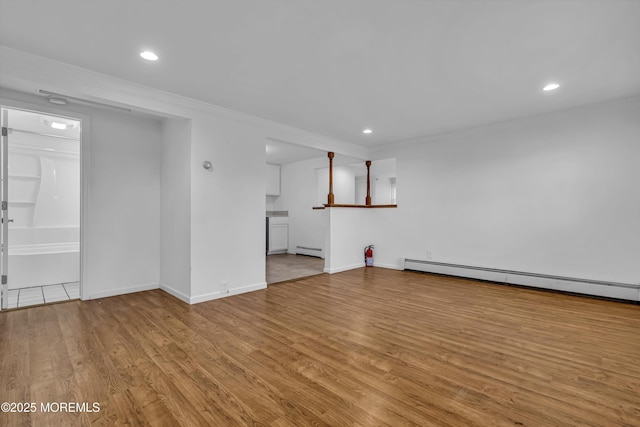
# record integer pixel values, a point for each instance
(59, 123)
(57, 101)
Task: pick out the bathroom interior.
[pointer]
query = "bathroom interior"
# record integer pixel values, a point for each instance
(41, 223)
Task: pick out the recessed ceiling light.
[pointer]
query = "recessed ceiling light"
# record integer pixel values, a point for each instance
(367, 131)
(60, 124)
(148, 55)
(551, 86)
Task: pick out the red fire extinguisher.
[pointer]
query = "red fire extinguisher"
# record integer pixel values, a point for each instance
(368, 256)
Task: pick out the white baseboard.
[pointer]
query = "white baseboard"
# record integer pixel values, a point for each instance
(122, 291)
(575, 286)
(233, 291)
(174, 292)
(305, 250)
(389, 266)
(343, 268)
(178, 294)
(626, 291)
(354, 266)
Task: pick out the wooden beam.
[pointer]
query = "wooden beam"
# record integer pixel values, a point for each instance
(368, 198)
(330, 198)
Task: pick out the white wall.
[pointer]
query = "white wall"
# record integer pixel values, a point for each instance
(222, 228)
(552, 194)
(56, 195)
(382, 172)
(347, 231)
(344, 185)
(122, 190)
(298, 196)
(213, 235)
(227, 207)
(175, 208)
(271, 202)
(124, 202)
(350, 230)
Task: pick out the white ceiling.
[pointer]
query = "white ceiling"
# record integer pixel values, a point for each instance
(405, 68)
(280, 152)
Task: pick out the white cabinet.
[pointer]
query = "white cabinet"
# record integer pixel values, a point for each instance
(273, 180)
(278, 235)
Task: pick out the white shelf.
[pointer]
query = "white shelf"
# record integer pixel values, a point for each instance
(24, 176)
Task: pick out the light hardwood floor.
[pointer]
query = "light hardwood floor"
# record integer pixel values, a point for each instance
(363, 347)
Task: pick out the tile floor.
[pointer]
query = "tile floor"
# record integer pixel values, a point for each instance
(281, 268)
(43, 294)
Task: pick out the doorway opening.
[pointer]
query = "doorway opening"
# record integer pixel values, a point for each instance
(41, 199)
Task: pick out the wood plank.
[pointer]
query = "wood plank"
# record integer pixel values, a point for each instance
(364, 347)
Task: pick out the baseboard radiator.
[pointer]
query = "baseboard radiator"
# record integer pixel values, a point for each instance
(304, 250)
(626, 291)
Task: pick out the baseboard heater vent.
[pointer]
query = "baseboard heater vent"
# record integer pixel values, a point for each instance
(626, 291)
(304, 250)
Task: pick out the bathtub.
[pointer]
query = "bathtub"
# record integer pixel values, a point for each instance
(43, 256)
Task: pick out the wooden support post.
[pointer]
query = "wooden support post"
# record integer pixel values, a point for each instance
(330, 197)
(368, 199)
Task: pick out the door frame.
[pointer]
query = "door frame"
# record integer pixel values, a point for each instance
(85, 167)
(4, 261)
